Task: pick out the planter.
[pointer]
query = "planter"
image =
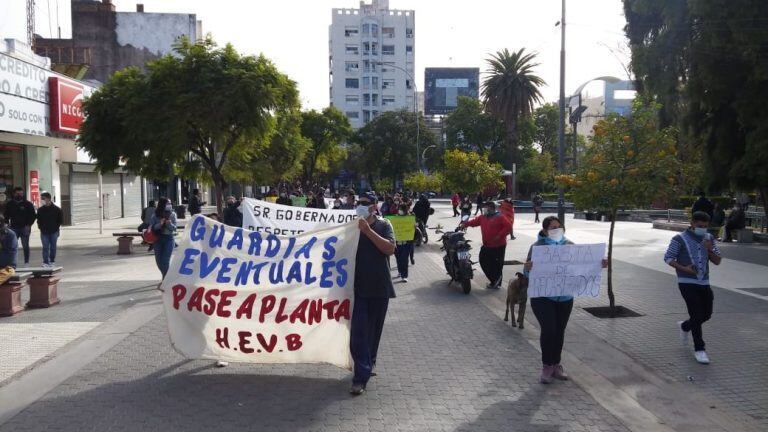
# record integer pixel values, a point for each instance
(43, 292)
(10, 298)
(124, 245)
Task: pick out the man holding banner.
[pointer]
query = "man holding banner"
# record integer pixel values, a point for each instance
(373, 289)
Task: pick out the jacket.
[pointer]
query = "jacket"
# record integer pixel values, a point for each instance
(494, 228)
(20, 214)
(169, 229)
(232, 216)
(8, 245)
(195, 205)
(49, 219)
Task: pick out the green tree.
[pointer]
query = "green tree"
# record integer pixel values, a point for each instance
(546, 118)
(420, 182)
(212, 103)
(388, 144)
(469, 128)
(630, 162)
(326, 131)
(705, 61)
(510, 92)
(470, 171)
(537, 172)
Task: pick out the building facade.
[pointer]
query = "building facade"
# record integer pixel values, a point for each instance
(444, 86)
(371, 60)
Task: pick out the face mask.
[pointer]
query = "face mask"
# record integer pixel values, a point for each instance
(401, 213)
(337, 204)
(18, 198)
(556, 234)
(168, 208)
(699, 231)
(362, 211)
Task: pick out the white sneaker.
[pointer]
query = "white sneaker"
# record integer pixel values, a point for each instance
(701, 357)
(45, 265)
(405, 280)
(222, 363)
(683, 334)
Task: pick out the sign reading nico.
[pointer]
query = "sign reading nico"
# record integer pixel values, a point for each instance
(568, 270)
(247, 296)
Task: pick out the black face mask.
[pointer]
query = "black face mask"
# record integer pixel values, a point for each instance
(18, 198)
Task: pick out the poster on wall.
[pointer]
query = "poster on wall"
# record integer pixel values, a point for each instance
(34, 187)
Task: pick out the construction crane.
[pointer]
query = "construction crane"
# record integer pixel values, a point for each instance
(31, 23)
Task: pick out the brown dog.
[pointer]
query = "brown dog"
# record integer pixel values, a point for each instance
(517, 294)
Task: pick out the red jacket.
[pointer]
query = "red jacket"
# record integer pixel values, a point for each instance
(455, 199)
(508, 210)
(495, 229)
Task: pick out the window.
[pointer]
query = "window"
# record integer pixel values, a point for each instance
(388, 32)
(350, 31)
(409, 33)
(369, 66)
(375, 99)
(366, 48)
(352, 99)
(352, 49)
(387, 84)
(351, 66)
(375, 83)
(366, 82)
(366, 29)
(366, 99)
(409, 49)
(388, 67)
(388, 49)
(352, 83)
(374, 30)
(387, 100)
(352, 114)
(407, 84)
(366, 116)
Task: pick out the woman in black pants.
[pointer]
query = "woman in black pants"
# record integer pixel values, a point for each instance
(551, 312)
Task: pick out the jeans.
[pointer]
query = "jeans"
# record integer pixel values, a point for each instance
(49, 247)
(367, 324)
(163, 250)
(492, 262)
(23, 235)
(699, 300)
(402, 253)
(553, 318)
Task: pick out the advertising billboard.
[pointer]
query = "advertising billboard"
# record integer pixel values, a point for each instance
(443, 86)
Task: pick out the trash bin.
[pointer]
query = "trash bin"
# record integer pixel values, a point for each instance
(181, 212)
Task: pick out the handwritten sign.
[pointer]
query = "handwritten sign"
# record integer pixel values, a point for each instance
(245, 296)
(403, 226)
(278, 219)
(568, 270)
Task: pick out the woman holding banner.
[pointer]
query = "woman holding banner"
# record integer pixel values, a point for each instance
(551, 312)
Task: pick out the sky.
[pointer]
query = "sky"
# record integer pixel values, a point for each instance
(449, 33)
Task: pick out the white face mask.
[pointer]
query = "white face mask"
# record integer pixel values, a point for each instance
(701, 232)
(362, 211)
(556, 234)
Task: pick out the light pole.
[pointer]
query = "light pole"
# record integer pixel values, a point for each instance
(575, 116)
(415, 107)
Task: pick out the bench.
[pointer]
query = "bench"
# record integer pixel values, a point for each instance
(10, 294)
(43, 286)
(125, 241)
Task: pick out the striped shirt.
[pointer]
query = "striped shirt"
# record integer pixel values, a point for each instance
(686, 249)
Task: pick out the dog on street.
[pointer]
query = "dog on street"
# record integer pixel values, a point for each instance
(517, 294)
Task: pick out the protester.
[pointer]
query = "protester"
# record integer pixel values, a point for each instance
(552, 313)
(455, 201)
(703, 204)
(479, 201)
(373, 289)
(336, 204)
(494, 228)
(195, 203)
(8, 245)
(49, 220)
(422, 209)
(403, 250)
(737, 220)
(466, 206)
(20, 213)
(538, 201)
(146, 215)
(349, 200)
(690, 253)
(232, 215)
(163, 223)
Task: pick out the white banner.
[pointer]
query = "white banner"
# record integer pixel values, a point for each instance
(567, 270)
(278, 219)
(238, 295)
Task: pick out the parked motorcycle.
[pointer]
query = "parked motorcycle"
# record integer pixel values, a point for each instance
(457, 258)
(420, 236)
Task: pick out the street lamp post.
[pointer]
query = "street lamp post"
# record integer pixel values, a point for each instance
(561, 122)
(415, 108)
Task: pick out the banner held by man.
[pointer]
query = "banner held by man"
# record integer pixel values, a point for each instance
(279, 219)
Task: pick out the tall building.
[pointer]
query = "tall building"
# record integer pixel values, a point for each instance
(371, 61)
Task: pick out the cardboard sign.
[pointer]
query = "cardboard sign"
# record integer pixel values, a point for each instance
(404, 227)
(299, 201)
(244, 296)
(278, 219)
(567, 270)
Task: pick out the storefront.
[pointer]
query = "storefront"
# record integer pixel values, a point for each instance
(40, 113)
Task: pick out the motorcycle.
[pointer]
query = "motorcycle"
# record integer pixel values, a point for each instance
(457, 259)
(420, 236)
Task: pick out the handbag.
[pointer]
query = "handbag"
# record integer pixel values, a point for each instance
(149, 236)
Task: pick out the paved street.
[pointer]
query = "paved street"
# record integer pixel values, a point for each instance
(447, 362)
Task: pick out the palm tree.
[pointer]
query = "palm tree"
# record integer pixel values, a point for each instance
(510, 91)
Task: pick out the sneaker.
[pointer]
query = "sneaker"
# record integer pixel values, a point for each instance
(405, 280)
(559, 373)
(46, 265)
(357, 389)
(222, 364)
(701, 357)
(683, 334)
(413, 262)
(546, 374)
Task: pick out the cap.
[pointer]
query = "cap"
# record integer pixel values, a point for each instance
(368, 196)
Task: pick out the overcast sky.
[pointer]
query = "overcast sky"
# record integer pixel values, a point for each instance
(449, 33)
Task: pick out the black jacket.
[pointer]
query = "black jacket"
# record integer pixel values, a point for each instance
(195, 205)
(49, 218)
(232, 216)
(20, 214)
